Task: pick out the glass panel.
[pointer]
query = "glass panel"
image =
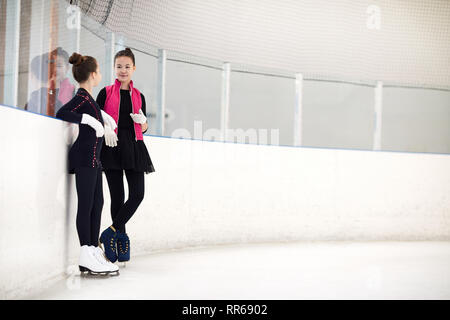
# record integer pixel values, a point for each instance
(193, 94)
(145, 78)
(259, 102)
(2, 48)
(10, 39)
(48, 37)
(94, 46)
(416, 120)
(338, 115)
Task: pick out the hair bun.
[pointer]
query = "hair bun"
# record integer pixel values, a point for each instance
(76, 59)
(128, 50)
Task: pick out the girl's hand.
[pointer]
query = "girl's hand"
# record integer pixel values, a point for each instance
(110, 137)
(139, 117)
(108, 120)
(144, 127)
(94, 124)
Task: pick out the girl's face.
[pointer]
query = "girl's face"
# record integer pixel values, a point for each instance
(124, 68)
(96, 77)
(61, 69)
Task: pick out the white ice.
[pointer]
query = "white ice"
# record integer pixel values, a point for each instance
(299, 270)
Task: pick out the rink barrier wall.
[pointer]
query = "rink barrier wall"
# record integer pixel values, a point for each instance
(210, 193)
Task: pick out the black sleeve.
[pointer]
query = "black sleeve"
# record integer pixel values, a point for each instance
(101, 98)
(70, 112)
(144, 109)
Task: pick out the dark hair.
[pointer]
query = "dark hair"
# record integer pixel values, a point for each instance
(82, 67)
(125, 53)
(60, 52)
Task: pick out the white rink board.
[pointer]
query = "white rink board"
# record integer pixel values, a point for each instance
(208, 193)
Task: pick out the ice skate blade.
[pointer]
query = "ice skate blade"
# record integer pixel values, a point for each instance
(89, 274)
(85, 272)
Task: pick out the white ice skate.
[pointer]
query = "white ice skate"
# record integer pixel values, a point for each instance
(100, 255)
(89, 263)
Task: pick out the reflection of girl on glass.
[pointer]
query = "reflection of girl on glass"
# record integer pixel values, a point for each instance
(84, 161)
(63, 88)
(127, 106)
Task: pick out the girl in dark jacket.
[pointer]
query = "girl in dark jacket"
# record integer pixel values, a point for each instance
(126, 105)
(84, 162)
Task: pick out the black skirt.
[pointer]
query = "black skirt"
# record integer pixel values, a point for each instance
(129, 154)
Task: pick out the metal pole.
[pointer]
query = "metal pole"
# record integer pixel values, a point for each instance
(110, 52)
(225, 104)
(120, 42)
(298, 112)
(52, 55)
(378, 115)
(161, 92)
(78, 28)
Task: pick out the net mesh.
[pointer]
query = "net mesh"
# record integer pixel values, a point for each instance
(405, 43)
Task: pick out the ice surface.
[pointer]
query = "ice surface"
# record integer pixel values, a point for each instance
(305, 270)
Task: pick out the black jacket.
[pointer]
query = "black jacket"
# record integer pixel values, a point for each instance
(85, 152)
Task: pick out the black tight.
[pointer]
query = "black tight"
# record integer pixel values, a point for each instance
(122, 212)
(90, 204)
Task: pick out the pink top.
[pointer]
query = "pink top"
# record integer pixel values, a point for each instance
(65, 91)
(112, 104)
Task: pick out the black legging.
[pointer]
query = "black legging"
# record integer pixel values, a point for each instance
(90, 204)
(122, 212)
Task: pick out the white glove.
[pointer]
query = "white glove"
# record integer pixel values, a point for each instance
(94, 124)
(110, 125)
(110, 137)
(108, 120)
(139, 117)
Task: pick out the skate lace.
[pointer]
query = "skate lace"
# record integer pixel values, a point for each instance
(121, 249)
(112, 244)
(100, 256)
